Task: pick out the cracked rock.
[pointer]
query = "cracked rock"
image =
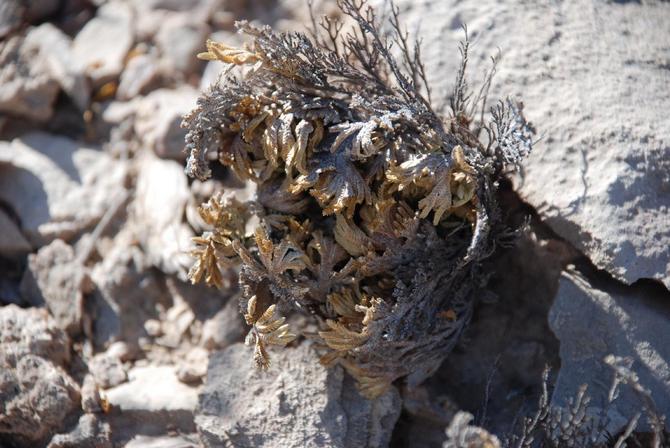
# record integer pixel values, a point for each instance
(179, 40)
(90, 432)
(154, 398)
(159, 117)
(100, 48)
(27, 88)
(107, 370)
(55, 49)
(162, 194)
(56, 187)
(591, 80)
(591, 324)
(296, 403)
(57, 279)
(36, 394)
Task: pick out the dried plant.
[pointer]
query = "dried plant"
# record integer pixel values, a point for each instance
(578, 426)
(374, 213)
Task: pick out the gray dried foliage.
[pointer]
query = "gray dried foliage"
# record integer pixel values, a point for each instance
(375, 213)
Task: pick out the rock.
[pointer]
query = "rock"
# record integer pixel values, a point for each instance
(10, 16)
(154, 396)
(32, 331)
(36, 394)
(12, 242)
(55, 49)
(27, 88)
(56, 186)
(125, 295)
(589, 79)
(100, 48)
(161, 197)
(177, 441)
(90, 395)
(57, 279)
(194, 366)
(140, 75)
(180, 38)
(592, 324)
(225, 328)
(159, 118)
(296, 403)
(89, 433)
(107, 370)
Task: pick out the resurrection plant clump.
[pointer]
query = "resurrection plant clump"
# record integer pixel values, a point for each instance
(373, 214)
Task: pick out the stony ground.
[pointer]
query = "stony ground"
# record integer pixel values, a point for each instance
(103, 343)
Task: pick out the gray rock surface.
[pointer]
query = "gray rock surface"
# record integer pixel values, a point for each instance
(159, 117)
(10, 16)
(55, 49)
(177, 441)
(594, 83)
(296, 403)
(180, 38)
(27, 88)
(139, 76)
(592, 324)
(100, 48)
(90, 432)
(152, 402)
(56, 186)
(55, 278)
(225, 328)
(12, 242)
(36, 394)
(107, 370)
(162, 194)
(124, 298)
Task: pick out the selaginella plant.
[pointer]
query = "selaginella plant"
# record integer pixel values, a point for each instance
(373, 213)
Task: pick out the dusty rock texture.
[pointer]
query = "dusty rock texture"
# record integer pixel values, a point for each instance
(56, 279)
(36, 392)
(593, 81)
(56, 186)
(591, 324)
(27, 89)
(295, 404)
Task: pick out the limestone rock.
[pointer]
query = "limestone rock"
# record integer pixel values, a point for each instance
(12, 242)
(57, 187)
(55, 49)
(162, 194)
(159, 117)
(140, 74)
(296, 403)
(90, 432)
(592, 324)
(107, 370)
(153, 397)
(225, 328)
(27, 88)
(125, 296)
(591, 81)
(101, 46)
(10, 16)
(180, 39)
(31, 331)
(36, 394)
(57, 279)
(176, 441)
